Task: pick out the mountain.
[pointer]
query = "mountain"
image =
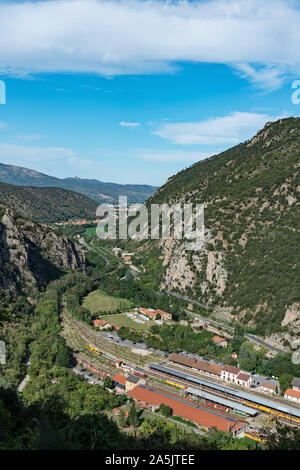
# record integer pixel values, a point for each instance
(94, 189)
(32, 254)
(47, 205)
(249, 268)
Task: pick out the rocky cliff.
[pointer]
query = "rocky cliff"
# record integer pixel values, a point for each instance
(32, 254)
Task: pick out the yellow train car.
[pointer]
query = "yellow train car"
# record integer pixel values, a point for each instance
(174, 384)
(93, 349)
(254, 437)
(265, 409)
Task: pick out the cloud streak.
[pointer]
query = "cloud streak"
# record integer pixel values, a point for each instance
(133, 37)
(226, 130)
(134, 125)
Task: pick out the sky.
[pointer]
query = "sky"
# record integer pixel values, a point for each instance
(133, 91)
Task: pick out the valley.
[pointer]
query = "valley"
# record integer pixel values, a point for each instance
(144, 341)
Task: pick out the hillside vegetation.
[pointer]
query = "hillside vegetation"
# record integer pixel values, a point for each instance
(47, 204)
(250, 262)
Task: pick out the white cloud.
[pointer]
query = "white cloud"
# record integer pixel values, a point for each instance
(267, 77)
(228, 130)
(131, 37)
(130, 124)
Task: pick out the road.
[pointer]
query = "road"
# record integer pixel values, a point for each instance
(26, 378)
(253, 338)
(88, 247)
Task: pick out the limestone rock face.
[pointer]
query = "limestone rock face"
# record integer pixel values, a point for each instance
(292, 317)
(31, 254)
(185, 268)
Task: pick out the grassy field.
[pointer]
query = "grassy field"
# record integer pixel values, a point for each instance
(122, 320)
(99, 301)
(90, 231)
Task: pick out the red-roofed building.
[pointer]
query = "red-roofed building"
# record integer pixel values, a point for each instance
(149, 312)
(119, 381)
(102, 324)
(292, 395)
(244, 379)
(220, 341)
(151, 398)
(230, 373)
(163, 315)
(268, 387)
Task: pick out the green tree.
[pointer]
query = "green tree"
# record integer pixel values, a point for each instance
(108, 382)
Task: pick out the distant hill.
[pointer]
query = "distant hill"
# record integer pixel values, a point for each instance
(94, 189)
(47, 205)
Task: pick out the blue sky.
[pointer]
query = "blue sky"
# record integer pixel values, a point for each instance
(134, 91)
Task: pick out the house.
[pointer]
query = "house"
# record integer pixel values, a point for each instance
(265, 384)
(230, 373)
(243, 379)
(126, 257)
(296, 384)
(116, 251)
(102, 324)
(207, 368)
(116, 327)
(203, 366)
(119, 363)
(220, 341)
(163, 315)
(119, 381)
(149, 312)
(267, 387)
(292, 395)
(132, 381)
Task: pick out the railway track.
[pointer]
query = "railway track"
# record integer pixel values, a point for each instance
(262, 409)
(110, 352)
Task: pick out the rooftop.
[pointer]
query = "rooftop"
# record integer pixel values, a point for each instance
(296, 382)
(133, 379)
(292, 393)
(100, 322)
(231, 369)
(218, 339)
(269, 385)
(191, 411)
(120, 379)
(243, 376)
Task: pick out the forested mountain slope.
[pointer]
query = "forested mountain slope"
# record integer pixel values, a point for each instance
(47, 204)
(251, 260)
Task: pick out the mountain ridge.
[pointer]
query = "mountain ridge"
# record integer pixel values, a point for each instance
(48, 204)
(250, 263)
(94, 189)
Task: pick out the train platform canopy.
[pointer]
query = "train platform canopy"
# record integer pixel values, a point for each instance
(223, 401)
(238, 393)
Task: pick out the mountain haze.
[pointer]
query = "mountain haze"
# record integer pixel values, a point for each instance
(94, 189)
